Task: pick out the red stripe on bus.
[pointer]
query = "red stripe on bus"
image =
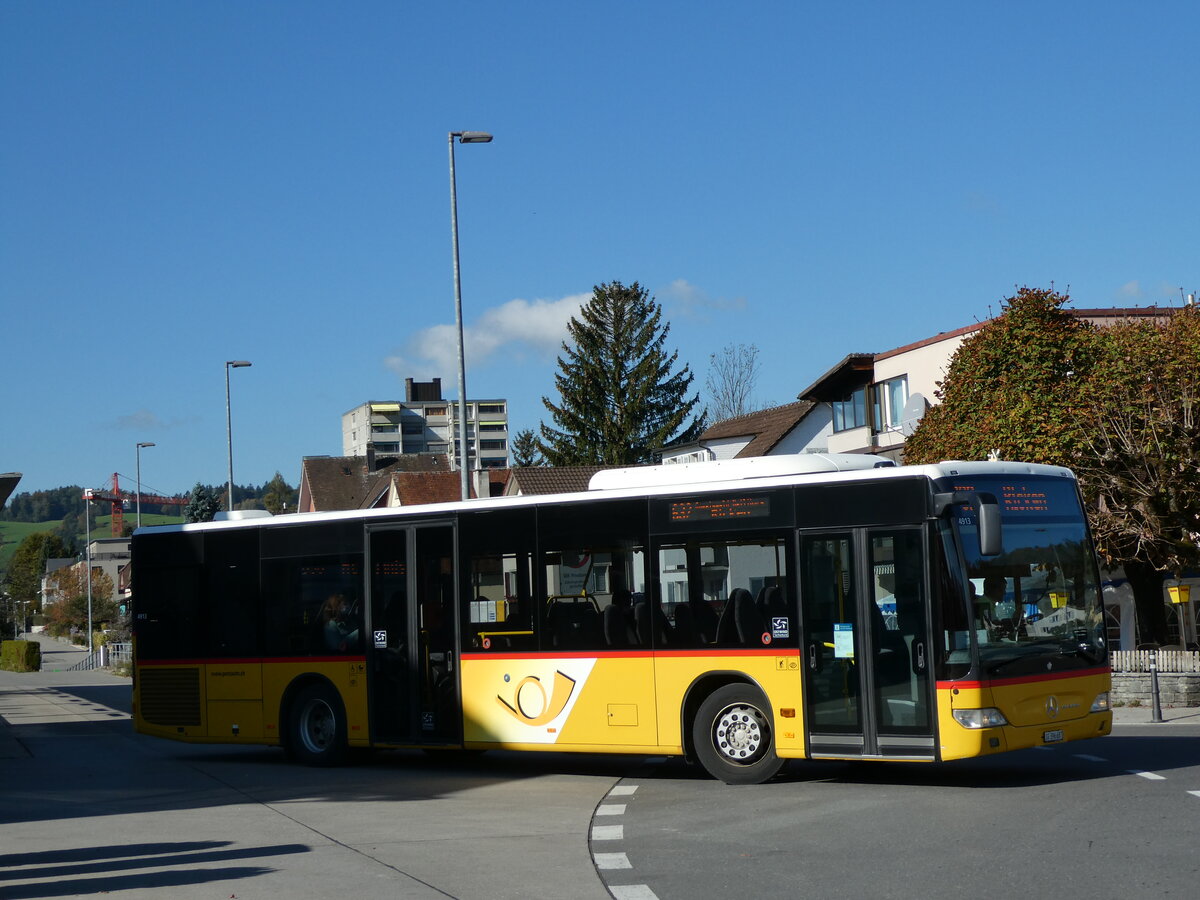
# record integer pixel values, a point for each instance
(1023, 679)
(249, 661)
(632, 654)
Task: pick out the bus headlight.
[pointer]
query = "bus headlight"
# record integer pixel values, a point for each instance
(1101, 703)
(989, 717)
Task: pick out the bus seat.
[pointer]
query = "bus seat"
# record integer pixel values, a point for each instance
(705, 619)
(737, 617)
(771, 604)
(749, 620)
(616, 628)
(650, 618)
(686, 632)
(575, 625)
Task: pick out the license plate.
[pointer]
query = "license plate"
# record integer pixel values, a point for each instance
(1050, 737)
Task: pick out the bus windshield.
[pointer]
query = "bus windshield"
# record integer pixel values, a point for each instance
(1036, 606)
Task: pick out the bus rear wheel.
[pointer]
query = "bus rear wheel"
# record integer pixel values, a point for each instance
(317, 727)
(733, 737)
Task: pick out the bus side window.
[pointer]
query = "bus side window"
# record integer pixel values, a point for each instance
(499, 612)
(732, 592)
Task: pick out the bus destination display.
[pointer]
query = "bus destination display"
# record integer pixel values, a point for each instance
(722, 508)
(1018, 498)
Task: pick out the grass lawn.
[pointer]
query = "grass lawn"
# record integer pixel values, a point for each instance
(12, 533)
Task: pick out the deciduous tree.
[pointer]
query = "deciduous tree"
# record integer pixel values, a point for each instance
(732, 375)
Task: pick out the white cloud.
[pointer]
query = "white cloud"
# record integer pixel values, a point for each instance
(514, 331)
(1131, 289)
(694, 302)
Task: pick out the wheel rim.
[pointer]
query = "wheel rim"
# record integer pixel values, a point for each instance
(740, 734)
(317, 726)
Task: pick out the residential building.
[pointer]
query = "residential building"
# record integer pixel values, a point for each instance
(425, 422)
(800, 427)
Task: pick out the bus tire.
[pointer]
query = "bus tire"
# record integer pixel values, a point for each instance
(317, 727)
(732, 736)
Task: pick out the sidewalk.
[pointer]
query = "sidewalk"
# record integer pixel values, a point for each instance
(1143, 715)
(33, 698)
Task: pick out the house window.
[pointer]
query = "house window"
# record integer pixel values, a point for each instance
(888, 403)
(850, 411)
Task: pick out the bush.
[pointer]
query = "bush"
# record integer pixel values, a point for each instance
(20, 656)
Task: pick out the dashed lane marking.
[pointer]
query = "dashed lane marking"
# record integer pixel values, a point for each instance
(1150, 776)
(608, 832)
(612, 861)
(632, 892)
(610, 809)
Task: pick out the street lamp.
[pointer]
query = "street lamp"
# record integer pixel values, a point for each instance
(231, 364)
(87, 524)
(464, 137)
(140, 445)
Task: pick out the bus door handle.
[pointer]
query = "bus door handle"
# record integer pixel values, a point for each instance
(919, 657)
(449, 660)
(814, 657)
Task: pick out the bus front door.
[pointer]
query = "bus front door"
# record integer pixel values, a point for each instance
(865, 615)
(412, 664)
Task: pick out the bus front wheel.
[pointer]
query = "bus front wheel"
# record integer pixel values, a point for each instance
(733, 737)
(317, 727)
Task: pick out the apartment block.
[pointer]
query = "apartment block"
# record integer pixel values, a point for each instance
(425, 422)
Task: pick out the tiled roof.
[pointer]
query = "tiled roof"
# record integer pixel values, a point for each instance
(551, 479)
(768, 427)
(347, 482)
(415, 488)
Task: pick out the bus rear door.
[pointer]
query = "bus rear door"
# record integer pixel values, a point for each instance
(412, 665)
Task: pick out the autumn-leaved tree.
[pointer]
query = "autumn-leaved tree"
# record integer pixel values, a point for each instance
(1140, 468)
(621, 397)
(69, 611)
(1013, 387)
(1117, 404)
(28, 565)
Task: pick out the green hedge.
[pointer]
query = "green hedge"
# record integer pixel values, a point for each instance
(20, 656)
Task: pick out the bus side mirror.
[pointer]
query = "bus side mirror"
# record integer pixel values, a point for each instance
(990, 542)
(987, 517)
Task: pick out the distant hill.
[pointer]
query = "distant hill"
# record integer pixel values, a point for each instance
(12, 533)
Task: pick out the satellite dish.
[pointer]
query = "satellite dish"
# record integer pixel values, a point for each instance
(911, 414)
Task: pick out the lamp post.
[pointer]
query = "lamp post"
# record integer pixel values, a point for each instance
(140, 445)
(231, 364)
(464, 137)
(87, 525)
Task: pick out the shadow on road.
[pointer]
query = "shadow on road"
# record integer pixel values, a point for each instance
(123, 867)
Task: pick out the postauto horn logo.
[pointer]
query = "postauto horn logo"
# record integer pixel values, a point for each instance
(530, 704)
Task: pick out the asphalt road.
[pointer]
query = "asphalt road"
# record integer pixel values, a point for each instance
(1112, 818)
(88, 807)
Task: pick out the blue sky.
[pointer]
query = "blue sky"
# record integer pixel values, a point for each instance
(186, 183)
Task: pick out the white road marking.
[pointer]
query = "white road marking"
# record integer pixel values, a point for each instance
(612, 861)
(632, 892)
(1090, 758)
(610, 809)
(1151, 776)
(608, 832)
(623, 790)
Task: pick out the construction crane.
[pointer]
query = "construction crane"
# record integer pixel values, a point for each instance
(119, 498)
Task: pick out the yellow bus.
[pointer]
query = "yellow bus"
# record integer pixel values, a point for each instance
(739, 613)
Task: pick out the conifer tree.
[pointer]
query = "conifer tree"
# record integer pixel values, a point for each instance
(620, 400)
